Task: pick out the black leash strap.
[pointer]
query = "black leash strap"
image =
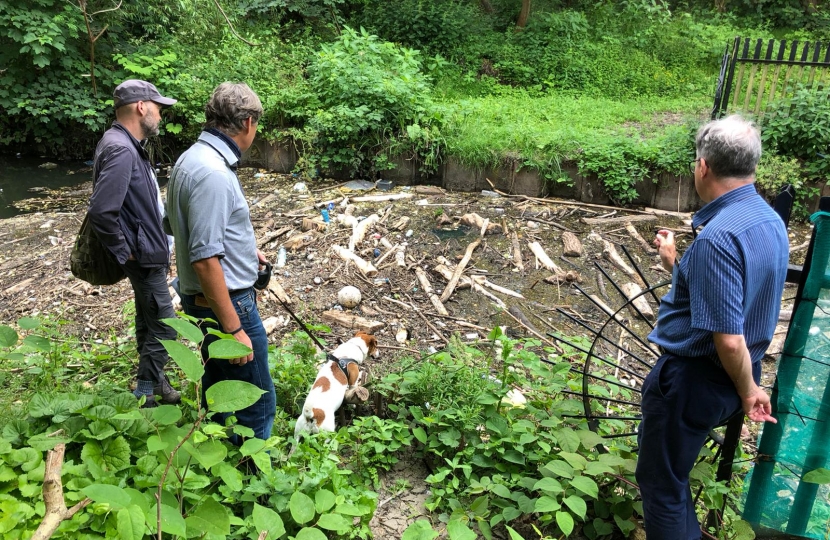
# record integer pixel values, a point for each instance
(316, 341)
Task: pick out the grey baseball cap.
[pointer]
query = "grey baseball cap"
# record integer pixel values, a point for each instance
(133, 90)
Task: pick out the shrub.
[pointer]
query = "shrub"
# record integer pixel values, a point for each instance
(774, 172)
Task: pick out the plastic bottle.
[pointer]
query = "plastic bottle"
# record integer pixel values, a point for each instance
(325, 214)
(281, 257)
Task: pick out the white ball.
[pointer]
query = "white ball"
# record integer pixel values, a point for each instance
(349, 296)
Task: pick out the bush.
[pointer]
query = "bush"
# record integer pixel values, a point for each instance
(774, 172)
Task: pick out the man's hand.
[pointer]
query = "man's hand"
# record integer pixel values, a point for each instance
(243, 338)
(261, 258)
(757, 406)
(664, 241)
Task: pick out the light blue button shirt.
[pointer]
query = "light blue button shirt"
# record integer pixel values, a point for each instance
(208, 215)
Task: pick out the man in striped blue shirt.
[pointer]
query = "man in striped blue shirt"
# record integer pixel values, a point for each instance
(713, 326)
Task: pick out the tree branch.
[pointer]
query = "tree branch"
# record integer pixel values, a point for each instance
(107, 10)
(230, 25)
(56, 510)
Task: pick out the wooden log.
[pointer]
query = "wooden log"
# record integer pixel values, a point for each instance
(271, 323)
(17, 287)
(564, 277)
(517, 251)
(572, 245)
(481, 280)
(631, 290)
(618, 220)
(352, 322)
(268, 237)
(446, 273)
(445, 269)
(390, 251)
(543, 258)
(276, 289)
(400, 224)
(460, 269)
(382, 198)
(299, 240)
(359, 230)
(363, 265)
(55, 505)
(427, 286)
(309, 224)
(610, 253)
(639, 239)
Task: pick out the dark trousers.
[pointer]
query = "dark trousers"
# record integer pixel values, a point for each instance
(152, 303)
(259, 416)
(683, 399)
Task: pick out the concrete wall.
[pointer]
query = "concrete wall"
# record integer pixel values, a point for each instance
(666, 192)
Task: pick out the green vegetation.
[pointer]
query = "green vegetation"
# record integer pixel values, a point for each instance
(614, 87)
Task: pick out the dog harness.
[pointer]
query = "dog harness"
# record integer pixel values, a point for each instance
(342, 363)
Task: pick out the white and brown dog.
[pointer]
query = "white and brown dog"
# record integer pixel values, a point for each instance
(335, 376)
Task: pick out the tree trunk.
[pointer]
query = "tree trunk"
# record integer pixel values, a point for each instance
(521, 22)
(486, 6)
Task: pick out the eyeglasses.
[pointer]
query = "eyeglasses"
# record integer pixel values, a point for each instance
(693, 165)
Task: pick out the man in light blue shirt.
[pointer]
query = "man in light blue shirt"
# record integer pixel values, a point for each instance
(216, 254)
(713, 326)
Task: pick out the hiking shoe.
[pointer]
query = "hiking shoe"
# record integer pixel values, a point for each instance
(168, 394)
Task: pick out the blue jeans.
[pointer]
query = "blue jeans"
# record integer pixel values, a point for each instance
(259, 416)
(683, 400)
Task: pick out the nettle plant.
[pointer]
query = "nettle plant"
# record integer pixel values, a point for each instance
(169, 471)
(532, 469)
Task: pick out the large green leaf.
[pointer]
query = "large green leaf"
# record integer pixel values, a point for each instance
(130, 522)
(547, 504)
(420, 530)
(818, 476)
(568, 439)
(164, 415)
(28, 323)
(589, 439)
(210, 453)
(172, 521)
(38, 343)
(230, 475)
(548, 485)
(231, 396)
(560, 468)
(513, 534)
(186, 329)
(189, 362)
(115, 496)
(251, 447)
(565, 522)
(106, 456)
(226, 349)
(209, 518)
(586, 486)
(577, 505)
(301, 507)
(307, 533)
(458, 530)
(8, 336)
(324, 500)
(266, 519)
(334, 522)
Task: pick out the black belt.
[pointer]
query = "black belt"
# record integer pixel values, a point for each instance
(230, 293)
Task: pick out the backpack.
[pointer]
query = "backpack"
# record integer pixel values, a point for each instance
(91, 261)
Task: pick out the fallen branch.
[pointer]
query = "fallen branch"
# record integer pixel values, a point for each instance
(427, 286)
(459, 270)
(359, 230)
(381, 198)
(352, 322)
(639, 239)
(572, 247)
(621, 219)
(632, 291)
(543, 258)
(517, 251)
(56, 510)
(364, 266)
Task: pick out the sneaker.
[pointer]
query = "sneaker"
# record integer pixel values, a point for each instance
(168, 394)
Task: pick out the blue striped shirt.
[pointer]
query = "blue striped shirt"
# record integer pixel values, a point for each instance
(729, 280)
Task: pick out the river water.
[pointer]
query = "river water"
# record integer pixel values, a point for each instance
(19, 175)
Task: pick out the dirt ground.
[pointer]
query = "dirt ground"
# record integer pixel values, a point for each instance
(35, 277)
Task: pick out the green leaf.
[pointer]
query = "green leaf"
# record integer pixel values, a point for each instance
(227, 349)
(560, 468)
(421, 530)
(548, 485)
(577, 505)
(586, 486)
(266, 519)
(513, 534)
(301, 507)
(500, 490)
(420, 434)
(166, 415)
(324, 500)
(39, 343)
(458, 530)
(514, 456)
(107, 456)
(210, 518)
(185, 329)
(589, 439)
(28, 323)
(307, 533)
(172, 521)
(348, 509)
(251, 447)
(818, 476)
(497, 424)
(565, 522)
(231, 396)
(625, 525)
(595, 468)
(743, 530)
(188, 361)
(574, 460)
(8, 336)
(568, 439)
(130, 523)
(546, 504)
(210, 453)
(116, 497)
(334, 522)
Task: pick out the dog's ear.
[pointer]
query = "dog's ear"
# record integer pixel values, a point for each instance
(371, 343)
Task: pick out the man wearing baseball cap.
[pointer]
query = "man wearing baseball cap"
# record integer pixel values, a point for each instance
(125, 211)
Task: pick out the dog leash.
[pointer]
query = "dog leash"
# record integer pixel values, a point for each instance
(341, 363)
